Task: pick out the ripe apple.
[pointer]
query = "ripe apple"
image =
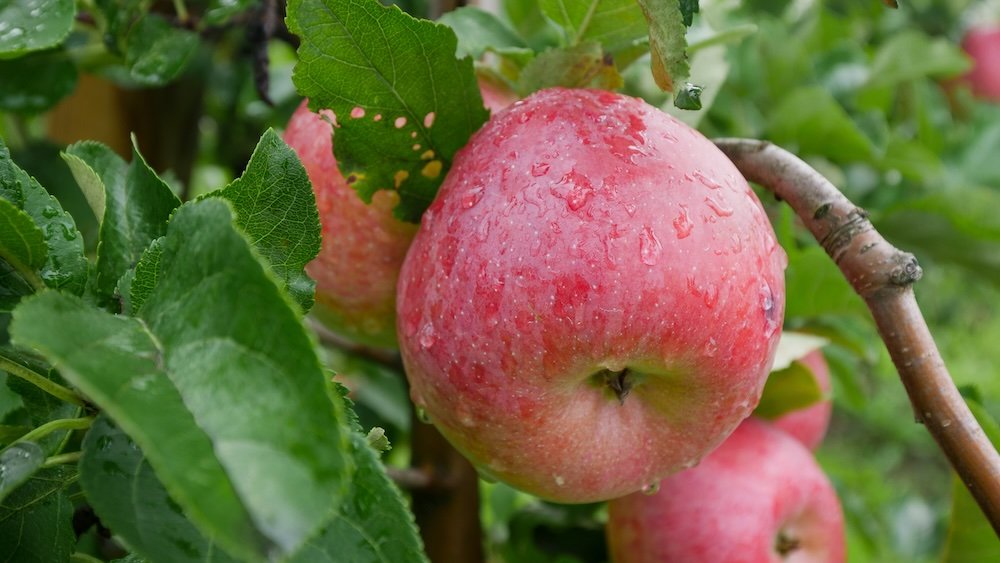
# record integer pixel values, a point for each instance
(363, 245)
(983, 45)
(760, 497)
(593, 299)
(809, 425)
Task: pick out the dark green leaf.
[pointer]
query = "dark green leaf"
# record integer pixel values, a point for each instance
(581, 66)
(65, 266)
(13, 287)
(31, 25)
(276, 208)
(617, 25)
(17, 464)
(667, 42)
(219, 12)
(43, 407)
(156, 52)
(10, 433)
(689, 97)
(36, 82)
(137, 205)
(813, 121)
(688, 9)
(815, 286)
(373, 525)
(124, 491)
(479, 31)
(256, 484)
(22, 243)
(36, 520)
(137, 285)
(404, 103)
(9, 400)
(787, 390)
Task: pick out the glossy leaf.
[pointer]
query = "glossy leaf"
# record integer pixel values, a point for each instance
(18, 463)
(276, 208)
(22, 243)
(404, 103)
(36, 82)
(42, 407)
(65, 266)
(156, 52)
(127, 496)
(36, 520)
(256, 485)
(31, 25)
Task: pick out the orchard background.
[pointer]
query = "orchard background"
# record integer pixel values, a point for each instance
(870, 96)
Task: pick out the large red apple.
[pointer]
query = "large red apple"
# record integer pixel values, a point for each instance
(983, 45)
(809, 425)
(759, 498)
(593, 299)
(363, 245)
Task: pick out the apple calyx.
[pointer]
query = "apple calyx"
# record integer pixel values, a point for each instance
(785, 544)
(620, 382)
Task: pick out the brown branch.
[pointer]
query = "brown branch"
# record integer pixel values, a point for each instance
(383, 356)
(883, 276)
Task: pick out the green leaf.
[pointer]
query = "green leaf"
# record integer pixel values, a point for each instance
(17, 464)
(581, 66)
(617, 25)
(219, 12)
(137, 206)
(414, 104)
(793, 346)
(373, 524)
(911, 55)
(667, 42)
(125, 493)
(787, 390)
(65, 265)
(276, 208)
(688, 9)
(815, 286)
(971, 538)
(812, 121)
(36, 520)
(156, 52)
(479, 31)
(9, 402)
(36, 82)
(43, 407)
(22, 243)
(217, 381)
(31, 25)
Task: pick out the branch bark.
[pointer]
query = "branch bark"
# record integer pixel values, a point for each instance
(883, 276)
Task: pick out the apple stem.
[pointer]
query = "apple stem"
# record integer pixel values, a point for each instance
(620, 382)
(883, 276)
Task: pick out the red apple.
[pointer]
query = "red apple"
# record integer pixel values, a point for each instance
(759, 498)
(593, 299)
(809, 425)
(983, 45)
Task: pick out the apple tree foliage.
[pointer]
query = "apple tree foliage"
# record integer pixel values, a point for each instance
(162, 396)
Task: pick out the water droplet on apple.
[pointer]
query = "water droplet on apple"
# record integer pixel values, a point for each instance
(649, 247)
(711, 347)
(472, 197)
(719, 208)
(426, 336)
(767, 306)
(539, 169)
(711, 295)
(559, 480)
(423, 416)
(683, 224)
(706, 181)
(651, 489)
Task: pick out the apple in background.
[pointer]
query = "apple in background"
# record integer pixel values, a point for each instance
(593, 300)
(363, 245)
(760, 497)
(983, 45)
(809, 425)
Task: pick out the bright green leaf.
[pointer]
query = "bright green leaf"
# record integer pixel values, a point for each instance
(31, 25)
(404, 103)
(18, 463)
(22, 243)
(667, 42)
(65, 265)
(255, 484)
(36, 520)
(911, 55)
(124, 491)
(36, 82)
(811, 122)
(815, 286)
(786, 390)
(479, 31)
(221, 11)
(617, 25)
(581, 66)
(276, 208)
(156, 52)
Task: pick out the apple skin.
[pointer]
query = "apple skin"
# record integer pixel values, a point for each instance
(809, 425)
(581, 233)
(983, 46)
(758, 484)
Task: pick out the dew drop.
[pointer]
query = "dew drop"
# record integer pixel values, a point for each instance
(651, 489)
(104, 442)
(68, 233)
(426, 336)
(767, 306)
(683, 224)
(472, 197)
(539, 169)
(711, 295)
(720, 209)
(711, 347)
(49, 212)
(706, 181)
(483, 230)
(358, 112)
(649, 247)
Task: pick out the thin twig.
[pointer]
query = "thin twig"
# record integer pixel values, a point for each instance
(883, 276)
(54, 425)
(62, 459)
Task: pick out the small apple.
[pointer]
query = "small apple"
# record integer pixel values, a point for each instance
(809, 425)
(983, 46)
(760, 497)
(593, 300)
